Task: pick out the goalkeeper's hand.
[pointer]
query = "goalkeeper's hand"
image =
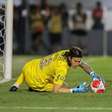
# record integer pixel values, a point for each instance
(95, 76)
(13, 89)
(82, 88)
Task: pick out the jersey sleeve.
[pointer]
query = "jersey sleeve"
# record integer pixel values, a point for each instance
(60, 73)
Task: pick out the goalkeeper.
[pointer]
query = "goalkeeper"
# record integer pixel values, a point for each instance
(49, 73)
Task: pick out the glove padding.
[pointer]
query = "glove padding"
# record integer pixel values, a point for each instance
(96, 77)
(13, 89)
(82, 88)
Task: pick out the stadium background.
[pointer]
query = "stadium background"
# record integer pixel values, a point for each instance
(23, 100)
(25, 41)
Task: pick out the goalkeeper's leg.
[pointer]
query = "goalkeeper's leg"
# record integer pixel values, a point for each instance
(17, 83)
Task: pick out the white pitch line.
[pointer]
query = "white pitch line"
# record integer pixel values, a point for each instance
(57, 108)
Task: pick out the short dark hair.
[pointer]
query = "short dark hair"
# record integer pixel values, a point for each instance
(74, 52)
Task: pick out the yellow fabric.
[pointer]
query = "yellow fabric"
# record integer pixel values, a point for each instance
(42, 74)
(37, 22)
(56, 24)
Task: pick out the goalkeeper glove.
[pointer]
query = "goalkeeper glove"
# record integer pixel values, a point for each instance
(82, 88)
(13, 89)
(94, 76)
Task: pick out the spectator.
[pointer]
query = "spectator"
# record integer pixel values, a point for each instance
(55, 29)
(65, 16)
(46, 13)
(64, 13)
(97, 15)
(37, 28)
(79, 27)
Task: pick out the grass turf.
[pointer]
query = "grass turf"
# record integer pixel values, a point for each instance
(26, 101)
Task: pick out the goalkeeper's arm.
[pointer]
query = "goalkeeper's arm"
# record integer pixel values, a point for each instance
(82, 88)
(88, 70)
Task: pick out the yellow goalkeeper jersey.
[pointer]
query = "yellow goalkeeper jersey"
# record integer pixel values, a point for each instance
(42, 74)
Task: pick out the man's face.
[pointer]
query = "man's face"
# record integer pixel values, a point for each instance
(75, 61)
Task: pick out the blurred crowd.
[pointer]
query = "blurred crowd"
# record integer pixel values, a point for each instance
(50, 28)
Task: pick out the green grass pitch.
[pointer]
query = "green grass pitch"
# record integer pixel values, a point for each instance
(25, 101)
